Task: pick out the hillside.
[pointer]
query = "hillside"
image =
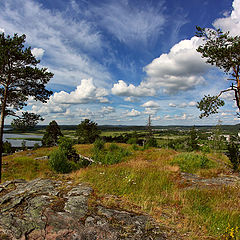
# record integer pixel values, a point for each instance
(187, 201)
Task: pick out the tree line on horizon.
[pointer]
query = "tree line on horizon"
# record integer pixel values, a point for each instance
(20, 78)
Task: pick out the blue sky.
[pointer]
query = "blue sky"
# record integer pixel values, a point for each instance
(116, 62)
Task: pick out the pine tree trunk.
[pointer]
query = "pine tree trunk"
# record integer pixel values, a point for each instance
(1, 129)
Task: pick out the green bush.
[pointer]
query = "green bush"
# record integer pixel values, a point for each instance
(59, 162)
(82, 163)
(205, 149)
(23, 145)
(7, 147)
(36, 146)
(151, 142)
(98, 145)
(135, 147)
(65, 159)
(66, 145)
(192, 162)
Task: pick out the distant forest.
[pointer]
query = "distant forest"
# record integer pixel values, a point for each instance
(227, 128)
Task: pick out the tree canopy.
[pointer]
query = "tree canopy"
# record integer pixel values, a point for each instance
(223, 51)
(20, 78)
(52, 134)
(87, 131)
(26, 121)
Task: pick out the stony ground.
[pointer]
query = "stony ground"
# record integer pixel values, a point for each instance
(193, 180)
(48, 209)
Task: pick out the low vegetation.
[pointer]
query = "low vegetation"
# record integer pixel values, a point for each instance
(144, 179)
(110, 154)
(192, 162)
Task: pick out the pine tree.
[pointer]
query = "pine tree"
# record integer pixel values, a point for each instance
(19, 79)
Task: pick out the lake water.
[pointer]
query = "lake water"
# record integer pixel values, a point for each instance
(18, 143)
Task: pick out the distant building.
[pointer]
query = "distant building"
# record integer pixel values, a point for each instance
(227, 137)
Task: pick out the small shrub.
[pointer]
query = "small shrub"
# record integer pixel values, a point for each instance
(58, 161)
(191, 162)
(151, 142)
(205, 149)
(66, 145)
(135, 147)
(36, 146)
(98, 145)
(23, 145)
(7, 147)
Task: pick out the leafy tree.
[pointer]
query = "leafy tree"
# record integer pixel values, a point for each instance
(87, 131)
(222, 50)
(19, 79)
(26, 121)
(52, 134)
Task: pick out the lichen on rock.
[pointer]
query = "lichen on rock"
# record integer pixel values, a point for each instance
(47, 209)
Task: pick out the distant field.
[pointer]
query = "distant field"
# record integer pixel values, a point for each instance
(170, 137)
(114, 133)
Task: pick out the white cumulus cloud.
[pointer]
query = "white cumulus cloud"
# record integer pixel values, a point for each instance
(172, 105)
(179, 70)
(150, 104)
(107, 110)
(123, 89)
(86, 92)
(133, 113)
(231, 22)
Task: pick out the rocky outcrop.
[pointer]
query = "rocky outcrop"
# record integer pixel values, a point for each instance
(48, 209)
(193, 181)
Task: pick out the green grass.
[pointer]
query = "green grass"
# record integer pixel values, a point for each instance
(149, 182)
(214, 209)
(141, 186)
(23, 165)
(146, 181)
(25, 168)
(111, 154)
(192, 162)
